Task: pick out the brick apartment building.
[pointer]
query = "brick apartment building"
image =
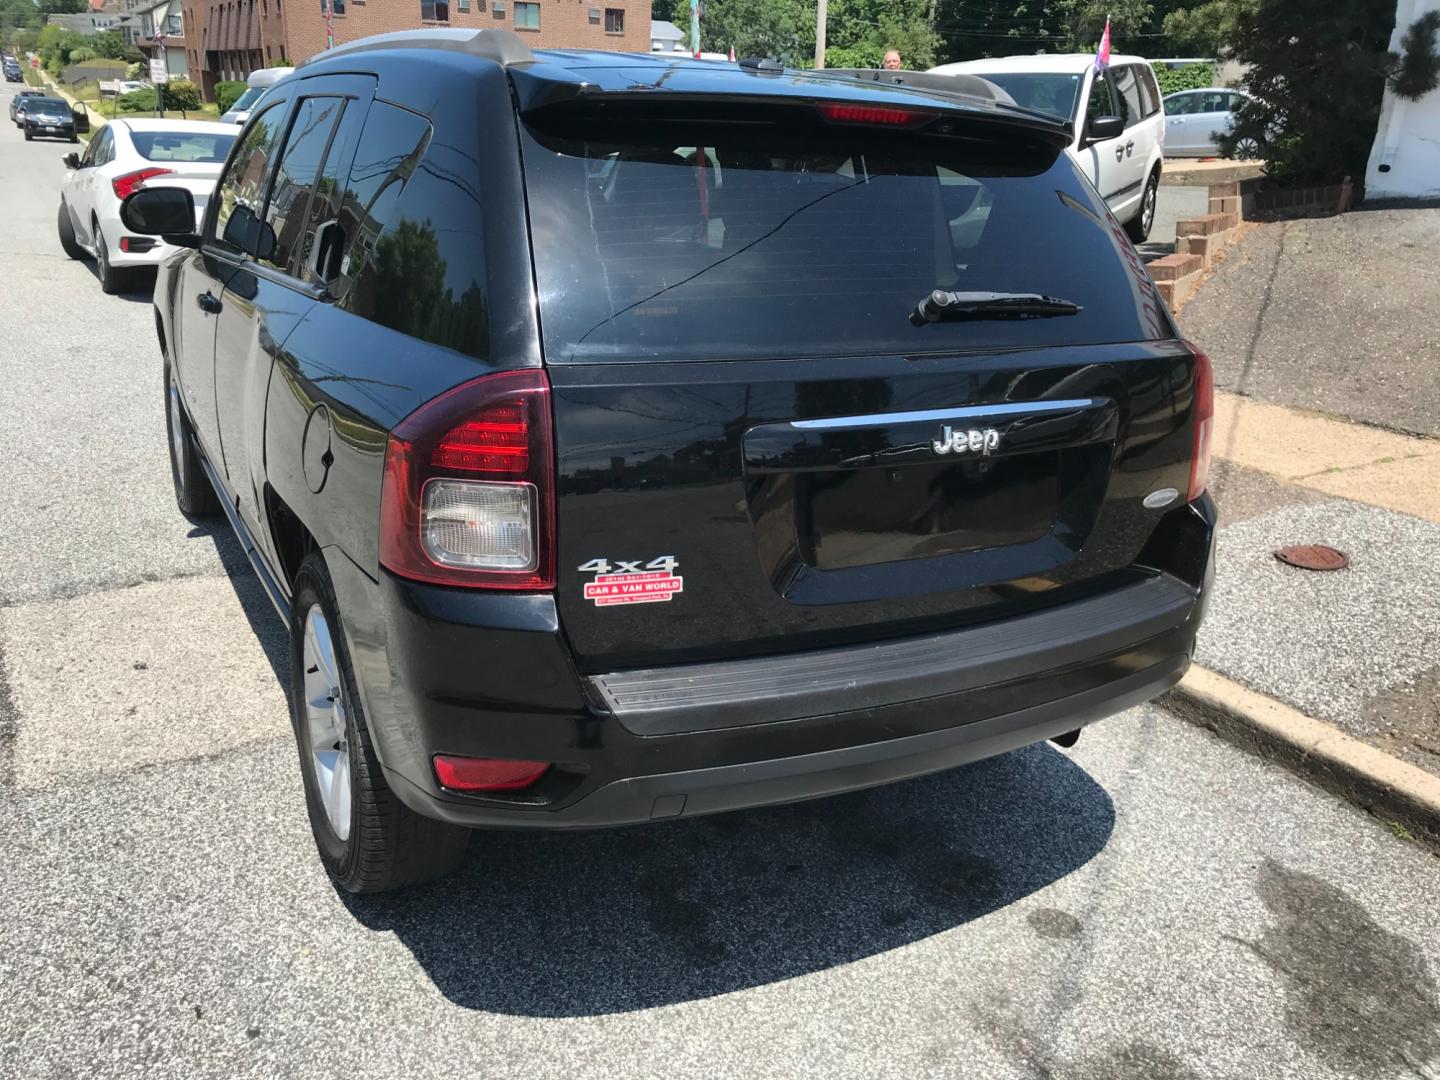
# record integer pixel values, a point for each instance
(228, 39)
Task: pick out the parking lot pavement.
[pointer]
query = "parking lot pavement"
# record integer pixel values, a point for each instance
(1333, 314)
(1173, 203)
(1154, 905)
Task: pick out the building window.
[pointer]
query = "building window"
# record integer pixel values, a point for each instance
(593, 15)
(527, 16)
(464, 5)
(339, 6)
(435, 10)
(614, 20)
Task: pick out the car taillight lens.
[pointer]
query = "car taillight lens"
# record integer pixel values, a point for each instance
(881, 115)
(1204, 421)
(469, 488)
(127, 184)
(487, 774)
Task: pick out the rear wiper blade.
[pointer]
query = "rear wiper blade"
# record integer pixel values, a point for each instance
(989, 305)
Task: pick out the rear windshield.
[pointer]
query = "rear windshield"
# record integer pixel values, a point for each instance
(182, 145)
(730, 244)
(1054, 92)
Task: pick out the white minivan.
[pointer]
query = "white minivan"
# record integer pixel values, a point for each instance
(255, 87)
(1117, 120)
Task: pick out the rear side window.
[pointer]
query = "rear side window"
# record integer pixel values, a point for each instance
(241, 191)
(738, 244)
(414, 243)
(182, 146)
(323, 242)
(285, 214)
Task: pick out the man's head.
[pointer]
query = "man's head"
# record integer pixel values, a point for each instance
(892, 60)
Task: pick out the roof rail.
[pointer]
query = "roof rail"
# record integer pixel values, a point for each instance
(502, 46)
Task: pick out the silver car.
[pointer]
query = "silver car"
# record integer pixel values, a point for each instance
(1194, 118)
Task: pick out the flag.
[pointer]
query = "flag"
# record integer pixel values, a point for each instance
(1102, 54)
(330, 24)
(732, 54)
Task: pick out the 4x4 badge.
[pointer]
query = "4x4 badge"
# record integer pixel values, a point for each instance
(627, 582)
(961, 440)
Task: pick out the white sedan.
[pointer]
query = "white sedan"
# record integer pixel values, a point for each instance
(122, 156)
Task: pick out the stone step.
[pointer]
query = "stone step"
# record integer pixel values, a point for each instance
(1171, 267)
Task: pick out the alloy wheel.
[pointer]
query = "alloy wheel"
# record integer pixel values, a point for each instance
(1148, 210)
(325, 727)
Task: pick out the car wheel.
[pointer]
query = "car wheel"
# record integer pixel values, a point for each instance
(1138, 227)
(29, 136)
(368, 839)
(109, 276)
(1247, 149)
(193, 493)
(66, 228)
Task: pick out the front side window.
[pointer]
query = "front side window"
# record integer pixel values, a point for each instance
(286, 212)
(1102, 102)
(1181, 104)
(741, 244)
(527, 16)
(242, 188)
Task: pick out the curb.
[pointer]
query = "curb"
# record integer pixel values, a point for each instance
(1391, 789)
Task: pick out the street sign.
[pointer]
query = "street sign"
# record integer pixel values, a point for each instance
(158, 72)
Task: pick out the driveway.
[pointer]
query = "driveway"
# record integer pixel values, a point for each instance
(1332, 314)
(1153, 905)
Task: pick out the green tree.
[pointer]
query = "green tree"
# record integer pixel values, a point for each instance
(781, 28)
(1317, 73)
(1204, 29)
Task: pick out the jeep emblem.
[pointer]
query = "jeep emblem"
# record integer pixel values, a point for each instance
(959, 440)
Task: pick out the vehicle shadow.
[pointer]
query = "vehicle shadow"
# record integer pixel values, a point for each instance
(578, 924)
(139, 285)
(269, 631)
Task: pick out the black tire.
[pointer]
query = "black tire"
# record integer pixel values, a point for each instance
(74, 138)
(29, 136)
(1138, 227)
(389, 846)
(110, 278)
(193, 493)
(66, 228)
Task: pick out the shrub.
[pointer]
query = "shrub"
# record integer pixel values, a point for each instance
(182, 94)
(227, 93)
(1190, 77)
(137, 101)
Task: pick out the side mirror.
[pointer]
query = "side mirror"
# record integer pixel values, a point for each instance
(163, 211)
(1101, 128)
(71, 160)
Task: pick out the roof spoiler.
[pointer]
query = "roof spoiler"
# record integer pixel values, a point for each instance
(502, 46)
(968, 85)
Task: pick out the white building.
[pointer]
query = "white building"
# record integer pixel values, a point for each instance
(1405, 160)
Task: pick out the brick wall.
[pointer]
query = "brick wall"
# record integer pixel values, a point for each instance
(563, 23)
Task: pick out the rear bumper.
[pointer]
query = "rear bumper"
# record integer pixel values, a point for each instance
(450, 671)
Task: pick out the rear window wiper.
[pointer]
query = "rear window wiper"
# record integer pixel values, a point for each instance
(941, 305)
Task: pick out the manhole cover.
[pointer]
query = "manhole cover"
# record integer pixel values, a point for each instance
(1313, 557)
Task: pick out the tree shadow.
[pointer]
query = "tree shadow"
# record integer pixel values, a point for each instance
(573, 924)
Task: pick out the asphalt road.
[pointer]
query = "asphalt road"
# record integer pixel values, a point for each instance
(1151, 906)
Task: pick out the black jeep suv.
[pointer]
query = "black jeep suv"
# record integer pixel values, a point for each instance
(627, 437)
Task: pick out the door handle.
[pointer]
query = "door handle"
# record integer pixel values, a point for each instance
(208, 303)
(1119, 153)
(1130, 148)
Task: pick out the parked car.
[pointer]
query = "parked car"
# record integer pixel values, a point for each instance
(123, 156)
(47, 118)
(675, 440)
(255, 87)
(18, 103)
(1194, 118)
(1116, 122)
(13, 74)
(130, 85)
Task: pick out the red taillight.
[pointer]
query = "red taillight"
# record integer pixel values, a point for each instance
(469, 488)
(487, 774)
(884, 115)
(128, 183)
(1204, 424)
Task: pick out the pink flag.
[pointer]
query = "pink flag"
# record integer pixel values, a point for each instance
(1102, 54)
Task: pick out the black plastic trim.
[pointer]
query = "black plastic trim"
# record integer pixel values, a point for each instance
(728, 694)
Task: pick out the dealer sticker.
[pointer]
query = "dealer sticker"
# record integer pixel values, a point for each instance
(637, 582)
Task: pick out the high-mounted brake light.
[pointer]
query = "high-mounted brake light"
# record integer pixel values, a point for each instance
(487, 774)
(1204, 421)
(469, 489)
(128, 183)
(881, 115)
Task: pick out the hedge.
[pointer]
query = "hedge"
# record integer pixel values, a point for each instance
(179, 94)
(1189, 77)
(227, 93)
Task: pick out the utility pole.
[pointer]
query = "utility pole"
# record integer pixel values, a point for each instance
(820, 34)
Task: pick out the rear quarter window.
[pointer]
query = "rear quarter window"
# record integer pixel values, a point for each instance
(734, 244)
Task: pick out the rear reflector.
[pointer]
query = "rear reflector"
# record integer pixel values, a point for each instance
(487, 774)
(1204, 421)
(882, 115)
(127, 184)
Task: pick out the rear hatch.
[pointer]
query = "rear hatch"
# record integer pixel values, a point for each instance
(759, 451)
